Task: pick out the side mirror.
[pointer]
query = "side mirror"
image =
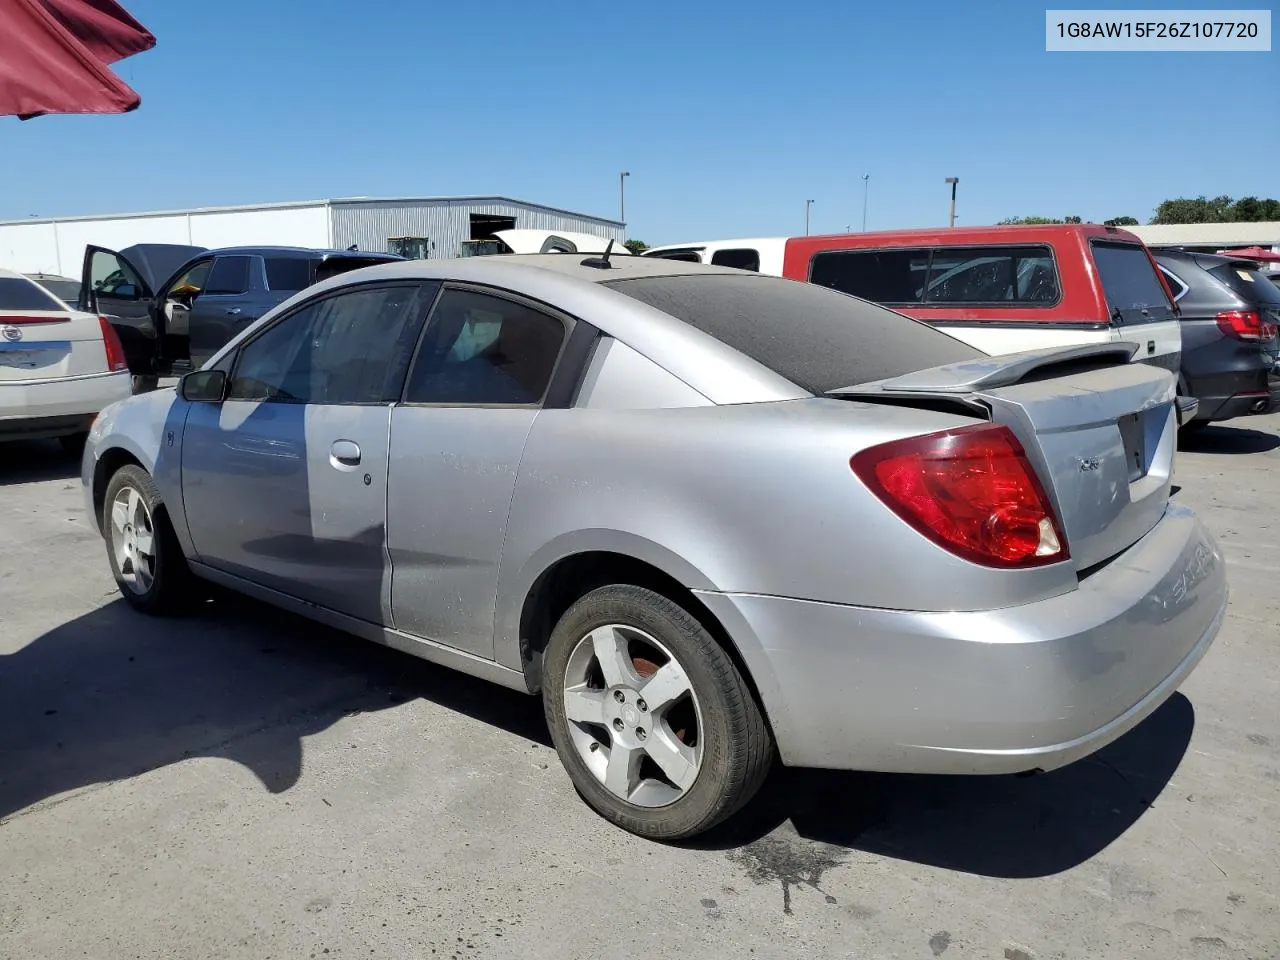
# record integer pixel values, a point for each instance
(204, 386)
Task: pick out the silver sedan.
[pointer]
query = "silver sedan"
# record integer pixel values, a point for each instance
(714, 518)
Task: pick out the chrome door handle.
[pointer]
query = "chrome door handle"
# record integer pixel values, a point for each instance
(234, 311)
(345, 453)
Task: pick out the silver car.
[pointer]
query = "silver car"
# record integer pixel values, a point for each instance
(714, 518)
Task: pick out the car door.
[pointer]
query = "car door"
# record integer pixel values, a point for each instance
(478, 382)
(114, 287)
(228, 303)
(284, 482)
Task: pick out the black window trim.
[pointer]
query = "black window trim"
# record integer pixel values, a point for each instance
(238, 353)
(755, 251)
(953, 305)
(565, 381)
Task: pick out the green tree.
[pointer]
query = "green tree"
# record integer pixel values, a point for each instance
(1121, 222)
(636, 246)
(1032, 220)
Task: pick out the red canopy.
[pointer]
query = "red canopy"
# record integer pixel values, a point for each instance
(1261, 254)
(54, 56)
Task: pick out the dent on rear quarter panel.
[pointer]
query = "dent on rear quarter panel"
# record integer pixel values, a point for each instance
(751, 498)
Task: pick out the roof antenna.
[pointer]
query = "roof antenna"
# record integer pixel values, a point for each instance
(601, 263)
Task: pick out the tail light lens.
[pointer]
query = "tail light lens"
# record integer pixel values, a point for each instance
(972, 491)
(1246, 325)
(115, 349)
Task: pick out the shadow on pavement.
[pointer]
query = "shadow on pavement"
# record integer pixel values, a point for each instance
(1014, 827)
(1219, 438)
(34, 461)
(115, 694)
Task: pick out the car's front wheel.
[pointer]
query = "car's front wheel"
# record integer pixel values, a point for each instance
(653, 720)
(146, 558)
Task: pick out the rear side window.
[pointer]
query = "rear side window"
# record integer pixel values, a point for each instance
(1134, 292)
(230, 275)
(881, 276)
(817, 339)
(993, 275)
(1250, 285)
(743, 259)
(289, 274)
(17, 293)
(68, 291)
(481, 349)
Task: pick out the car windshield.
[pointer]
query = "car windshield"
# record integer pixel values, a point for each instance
(18, 293)
(817, 338)
(1251, 285)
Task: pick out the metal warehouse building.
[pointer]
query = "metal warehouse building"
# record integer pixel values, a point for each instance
(431, 227)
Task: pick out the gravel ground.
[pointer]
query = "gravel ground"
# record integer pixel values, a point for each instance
(243, 784)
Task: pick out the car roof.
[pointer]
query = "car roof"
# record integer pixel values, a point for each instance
(1205, 260)
(301, 252)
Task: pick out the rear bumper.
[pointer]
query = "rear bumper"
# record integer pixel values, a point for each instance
(1035, 686)
(57, 407)
(1236, 405)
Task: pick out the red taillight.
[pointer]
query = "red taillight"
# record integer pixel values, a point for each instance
(115, 349)
(1245, 325)
(971, 491)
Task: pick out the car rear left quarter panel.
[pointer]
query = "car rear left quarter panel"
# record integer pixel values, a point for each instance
(752, 498)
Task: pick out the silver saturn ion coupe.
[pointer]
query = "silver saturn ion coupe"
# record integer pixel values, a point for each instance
(714, 518)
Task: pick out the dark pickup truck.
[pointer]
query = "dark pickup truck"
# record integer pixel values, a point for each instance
(175, 306)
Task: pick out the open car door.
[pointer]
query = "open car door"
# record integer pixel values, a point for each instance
(122, 286)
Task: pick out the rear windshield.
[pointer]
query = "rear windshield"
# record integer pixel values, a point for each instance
(944, 275)
(290, 274)
(818, 339)
(18, 293)
(1251, 285)
(1134, 292)
(68, 291)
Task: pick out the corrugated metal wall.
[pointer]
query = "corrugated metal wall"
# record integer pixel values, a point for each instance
(446, 223)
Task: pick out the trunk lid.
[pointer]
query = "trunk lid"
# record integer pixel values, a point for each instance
(1099, 430)
(49, 345)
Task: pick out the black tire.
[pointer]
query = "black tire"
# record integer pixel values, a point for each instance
(144, 383)
(737, 747)
(74, 443)
(171, 587)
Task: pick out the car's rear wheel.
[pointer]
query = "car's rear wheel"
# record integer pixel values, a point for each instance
(146, 558)
(651, 717)
(144, 383)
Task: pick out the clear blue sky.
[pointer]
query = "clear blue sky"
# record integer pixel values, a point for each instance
(728, 115)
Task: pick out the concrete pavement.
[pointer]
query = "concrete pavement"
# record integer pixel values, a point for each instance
(243, 784)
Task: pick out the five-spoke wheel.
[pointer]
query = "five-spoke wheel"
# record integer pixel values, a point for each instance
(651, 716)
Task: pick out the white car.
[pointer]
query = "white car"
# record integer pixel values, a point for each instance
(58, 366)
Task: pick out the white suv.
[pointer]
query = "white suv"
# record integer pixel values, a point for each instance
(58, 366)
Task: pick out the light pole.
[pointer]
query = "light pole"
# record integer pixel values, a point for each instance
(866, 190)
(622, 195)
(808, 204)
(953, 181)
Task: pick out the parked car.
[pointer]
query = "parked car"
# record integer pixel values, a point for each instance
(174, 306)
(64, 288)
(58, 366)
(1001, 289)
(1230, 318)
(710, 516)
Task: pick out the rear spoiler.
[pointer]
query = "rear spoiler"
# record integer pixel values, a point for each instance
(988, 373)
